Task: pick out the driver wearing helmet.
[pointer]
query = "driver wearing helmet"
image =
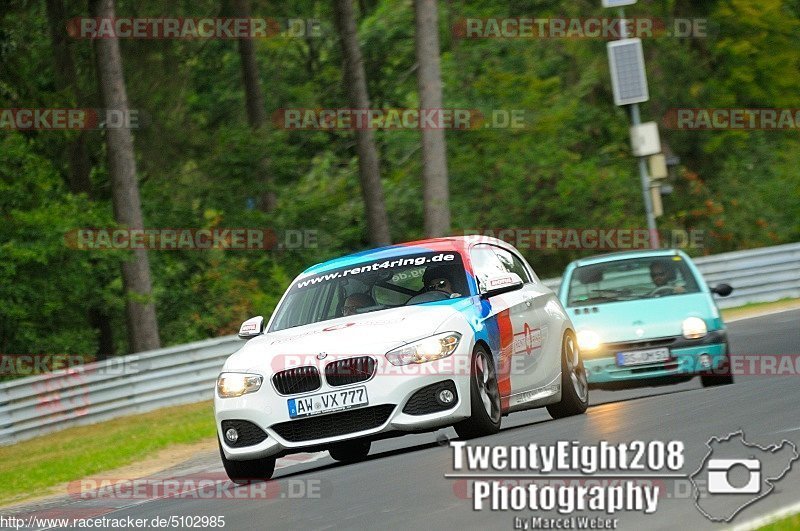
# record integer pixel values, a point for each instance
(439, 278)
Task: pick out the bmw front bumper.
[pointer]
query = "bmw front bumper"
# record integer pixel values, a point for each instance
(389, 411)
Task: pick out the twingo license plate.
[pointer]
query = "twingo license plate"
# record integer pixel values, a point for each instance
(641, 357)
(327, 402)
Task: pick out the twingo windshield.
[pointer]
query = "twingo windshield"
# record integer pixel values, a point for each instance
(372, 286)
(630, 279)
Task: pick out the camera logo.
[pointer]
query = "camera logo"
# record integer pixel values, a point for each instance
(719, 483)
(734, 474)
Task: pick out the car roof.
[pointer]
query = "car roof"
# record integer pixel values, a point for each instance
(457, 244)
(625, 255)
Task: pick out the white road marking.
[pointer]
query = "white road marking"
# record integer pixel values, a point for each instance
(289, 460)
(787, 430)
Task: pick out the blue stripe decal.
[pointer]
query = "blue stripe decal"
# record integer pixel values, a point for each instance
(382, 253)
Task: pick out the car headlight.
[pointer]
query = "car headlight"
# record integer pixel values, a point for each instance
(694, 328)
(425, 350)
(231, 384)
(588, 340)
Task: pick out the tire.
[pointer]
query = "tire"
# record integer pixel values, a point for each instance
(574, 385)
(721, 376)
(484, 396)
(350, 451)
(245, 472)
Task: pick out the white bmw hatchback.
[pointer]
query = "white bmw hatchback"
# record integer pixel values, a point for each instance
(407, 338)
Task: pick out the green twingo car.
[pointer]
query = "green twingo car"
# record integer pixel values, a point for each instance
(646, 318)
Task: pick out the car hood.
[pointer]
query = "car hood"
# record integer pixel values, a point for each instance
(374, 333)
(645, 318)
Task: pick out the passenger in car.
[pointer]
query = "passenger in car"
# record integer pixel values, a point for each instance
(355, 302)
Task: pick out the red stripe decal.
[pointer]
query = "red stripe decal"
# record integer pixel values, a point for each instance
(506, 351)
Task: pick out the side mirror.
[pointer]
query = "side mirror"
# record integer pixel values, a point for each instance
(723, 290)
(252, 327)
(497, 283)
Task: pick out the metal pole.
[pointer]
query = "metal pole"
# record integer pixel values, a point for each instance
(636, 119)
(646, 187)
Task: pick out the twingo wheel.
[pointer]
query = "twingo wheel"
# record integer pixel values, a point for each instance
(244, 472)
(723, 375)
(484, 398)
(574, 385)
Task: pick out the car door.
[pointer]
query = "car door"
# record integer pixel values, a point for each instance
(533, 350)
(515, 317)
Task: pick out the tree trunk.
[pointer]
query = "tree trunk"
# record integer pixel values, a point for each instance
(254, 102)
(436, 195)
(65, 81)
(79, 168)
(140, 309)
(254, 98)
(368, 161)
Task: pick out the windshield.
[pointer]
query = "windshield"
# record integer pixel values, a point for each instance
(631, 279)
(372, 286)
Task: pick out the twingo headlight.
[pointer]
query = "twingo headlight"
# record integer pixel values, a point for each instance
(694, 328)
(425, 350)
(588, 340)
(232, 384)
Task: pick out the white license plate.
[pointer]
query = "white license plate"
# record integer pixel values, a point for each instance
(327, 402)
(640, 357)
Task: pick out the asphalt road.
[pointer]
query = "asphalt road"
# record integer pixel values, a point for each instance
(402, 483)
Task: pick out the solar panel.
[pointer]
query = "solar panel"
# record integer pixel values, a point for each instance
(628, 78)
(617, 3)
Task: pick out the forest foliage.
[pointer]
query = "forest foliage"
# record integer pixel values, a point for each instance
(199, 163)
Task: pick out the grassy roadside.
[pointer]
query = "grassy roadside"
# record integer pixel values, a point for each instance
(759, 307)
(30, 467)
(790, 522)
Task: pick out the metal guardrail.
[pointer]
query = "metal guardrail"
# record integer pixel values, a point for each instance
(104, 390)
(757, 275)
(184, 374)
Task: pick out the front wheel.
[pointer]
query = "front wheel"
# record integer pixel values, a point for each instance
(574, 385)
(484, 398)
(245, 472)
(721, 376)
(350, 451)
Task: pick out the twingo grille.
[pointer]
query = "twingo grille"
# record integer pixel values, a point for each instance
(297, 380)
(350, 370)
(639, 344)
(335, 424)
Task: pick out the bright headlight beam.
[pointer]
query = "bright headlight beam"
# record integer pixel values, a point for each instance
(425, 350)
(232, 384)
(588, 340)
(694, 328)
